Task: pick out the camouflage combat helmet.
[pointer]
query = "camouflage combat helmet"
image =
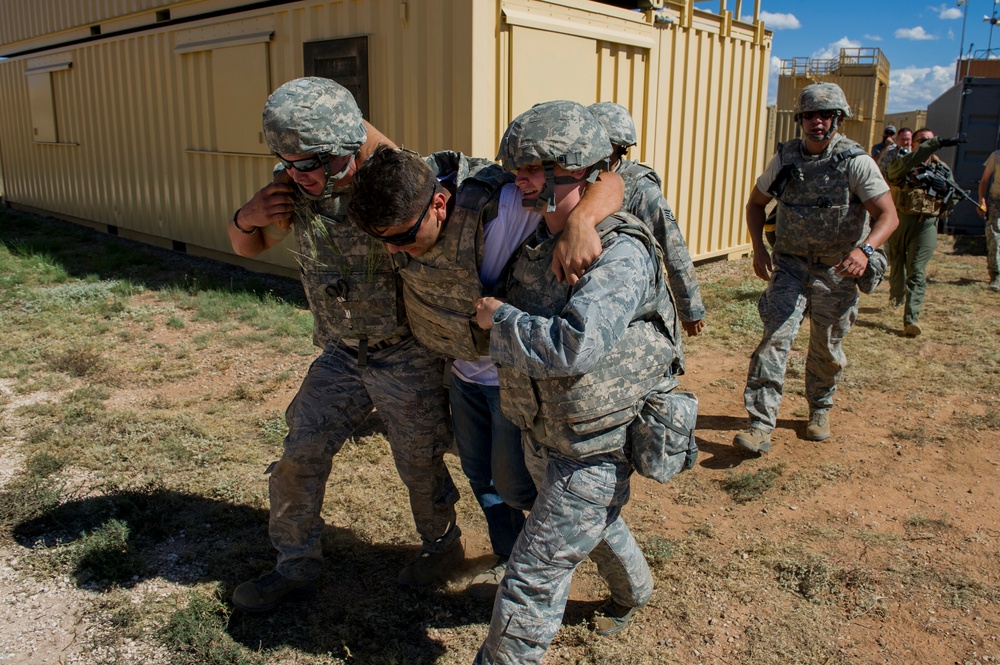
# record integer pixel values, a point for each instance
(617, 121)
(559, 132)
(314, 115)
(823, 97)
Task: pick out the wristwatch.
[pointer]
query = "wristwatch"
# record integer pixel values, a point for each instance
(867, 249)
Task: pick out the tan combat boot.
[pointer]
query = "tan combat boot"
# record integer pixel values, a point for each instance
(753, 439)
(265, 592)
(818, 428)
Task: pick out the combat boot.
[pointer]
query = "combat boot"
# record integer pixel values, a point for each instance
(432, 568)
(818, 428)
(265, 592)
(995, 283)
(612, 617)
(753, 439)
(911, 329)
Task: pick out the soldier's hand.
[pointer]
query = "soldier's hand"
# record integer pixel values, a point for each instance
(762, 264)
(485, 307)
(575, 250)
(853, 265)
(692, 328)
(271, 205)
(889, 140)
(955, 140)
(982, 207)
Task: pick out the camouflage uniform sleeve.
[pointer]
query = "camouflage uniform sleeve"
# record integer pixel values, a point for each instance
(649, 205)
(898, 168)
(600, 307)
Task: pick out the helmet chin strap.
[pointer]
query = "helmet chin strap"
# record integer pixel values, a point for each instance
(331, 179)
(546, 199)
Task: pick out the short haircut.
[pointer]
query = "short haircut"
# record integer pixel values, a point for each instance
(924, 129)
(389, 189)
(904, 129)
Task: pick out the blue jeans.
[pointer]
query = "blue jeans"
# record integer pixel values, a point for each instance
(489, 447)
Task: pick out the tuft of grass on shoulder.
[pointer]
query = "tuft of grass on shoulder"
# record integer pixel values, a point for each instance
(989, 420)
(746, 486)
(921, 527)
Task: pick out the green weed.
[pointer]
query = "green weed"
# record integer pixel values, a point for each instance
(744, 487)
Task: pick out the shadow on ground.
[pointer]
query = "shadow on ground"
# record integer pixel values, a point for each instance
(357, 612)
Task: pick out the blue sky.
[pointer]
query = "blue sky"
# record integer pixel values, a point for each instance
(921, 39)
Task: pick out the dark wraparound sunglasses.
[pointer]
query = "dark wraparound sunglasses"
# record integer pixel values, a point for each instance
(304, 165)
(826, 115)
(410, 235)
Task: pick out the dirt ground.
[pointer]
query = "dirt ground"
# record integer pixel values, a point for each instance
(881, 545)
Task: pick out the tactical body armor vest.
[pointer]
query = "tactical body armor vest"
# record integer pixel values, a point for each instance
(632, 173)
(913, 200)
(348, 276)
(818, 216)
(611, 393)
(440, 288)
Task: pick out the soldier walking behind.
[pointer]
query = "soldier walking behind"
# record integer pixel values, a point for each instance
(825, 185)
(912, 244)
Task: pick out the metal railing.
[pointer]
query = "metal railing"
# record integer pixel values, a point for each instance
(849, 59)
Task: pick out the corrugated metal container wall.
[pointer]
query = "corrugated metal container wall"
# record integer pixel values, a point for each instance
(712, 131)
(149, 133)
(175, 182)
(24, 20)
(911, 119)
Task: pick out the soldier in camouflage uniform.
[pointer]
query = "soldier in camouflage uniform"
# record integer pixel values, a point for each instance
(989, 210)
(450, 250)
(644, 199)
(575, 363)
(825, 185)
(912, 244)
(369, 357)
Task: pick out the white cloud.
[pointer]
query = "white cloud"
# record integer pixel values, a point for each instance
(776, 21)
(916, 34)
(945, 12)
(772, 79)
(913, 88)
(872, 38)
(833, 50)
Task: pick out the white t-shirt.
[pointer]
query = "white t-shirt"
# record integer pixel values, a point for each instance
(864, 178)
(501, 238)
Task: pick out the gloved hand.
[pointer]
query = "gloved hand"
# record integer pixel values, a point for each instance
(955, 140)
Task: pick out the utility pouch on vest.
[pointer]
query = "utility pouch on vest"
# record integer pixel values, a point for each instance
(661, 437)
(874, 273)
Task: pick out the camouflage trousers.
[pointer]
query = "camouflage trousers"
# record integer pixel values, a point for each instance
(405, 383)
(992, 231)
(797, 286)
(911, 248)
(577, 513)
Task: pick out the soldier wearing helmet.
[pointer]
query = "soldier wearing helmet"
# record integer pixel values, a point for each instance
(575, 365)
(451, 223)
(644, 199)
(369, 356)
(826, 186)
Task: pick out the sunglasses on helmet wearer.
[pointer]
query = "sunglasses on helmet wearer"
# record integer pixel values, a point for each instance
(308, 164)
(409, 236)
(826, 114)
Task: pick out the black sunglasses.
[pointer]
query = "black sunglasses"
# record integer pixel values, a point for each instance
(304, 165)
(826, 115)
(410, 235)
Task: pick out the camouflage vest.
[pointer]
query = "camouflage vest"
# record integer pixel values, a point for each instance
(818, 215)
(440, 288)
(610, 394)
(912, 200)
(348, 276)
(633, 173)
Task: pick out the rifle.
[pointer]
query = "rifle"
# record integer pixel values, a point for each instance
(941, 187)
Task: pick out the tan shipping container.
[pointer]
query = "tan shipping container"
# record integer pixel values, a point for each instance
(153, 128)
